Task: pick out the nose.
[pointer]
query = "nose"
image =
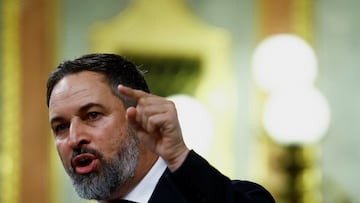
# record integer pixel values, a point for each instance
(78, 134)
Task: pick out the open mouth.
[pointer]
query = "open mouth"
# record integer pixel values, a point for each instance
(84, 163)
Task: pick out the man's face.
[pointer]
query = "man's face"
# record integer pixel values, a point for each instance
(97, 147)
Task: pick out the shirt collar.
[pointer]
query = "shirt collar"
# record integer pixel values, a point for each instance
(143, 190)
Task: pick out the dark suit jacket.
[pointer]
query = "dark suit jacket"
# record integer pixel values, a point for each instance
(196, 181)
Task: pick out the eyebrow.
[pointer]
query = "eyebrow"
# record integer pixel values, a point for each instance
(84, 108)
(90, 105)
(56, 119)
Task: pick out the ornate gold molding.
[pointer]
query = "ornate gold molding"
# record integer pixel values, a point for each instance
(10, 101)
(302, 19)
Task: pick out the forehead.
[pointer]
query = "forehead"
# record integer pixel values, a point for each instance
(79, 88)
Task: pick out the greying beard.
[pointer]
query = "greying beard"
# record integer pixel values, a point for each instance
(112, 175)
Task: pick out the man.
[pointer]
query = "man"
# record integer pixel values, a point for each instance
(117, 141)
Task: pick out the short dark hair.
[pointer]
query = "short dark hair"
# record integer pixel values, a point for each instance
(115, 69)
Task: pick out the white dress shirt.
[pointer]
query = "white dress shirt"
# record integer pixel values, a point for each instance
(142, 192)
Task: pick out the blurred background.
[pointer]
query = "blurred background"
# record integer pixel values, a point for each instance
(267, 90)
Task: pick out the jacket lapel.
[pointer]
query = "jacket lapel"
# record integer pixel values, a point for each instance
(166, 192)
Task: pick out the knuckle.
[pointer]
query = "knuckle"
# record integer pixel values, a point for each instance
(151, 121)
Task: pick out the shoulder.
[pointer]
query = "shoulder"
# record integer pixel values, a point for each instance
(253, 191)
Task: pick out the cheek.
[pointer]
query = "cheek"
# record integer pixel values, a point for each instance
(115, 129)
(63, 153)
(112, 141)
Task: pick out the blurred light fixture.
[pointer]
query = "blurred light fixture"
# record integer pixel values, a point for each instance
(295, 112)
(196, 123)
(296, 117)
(284, 61)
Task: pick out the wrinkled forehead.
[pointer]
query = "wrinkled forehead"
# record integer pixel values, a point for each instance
(78, 86)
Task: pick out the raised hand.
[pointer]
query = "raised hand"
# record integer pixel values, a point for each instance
(156, 123)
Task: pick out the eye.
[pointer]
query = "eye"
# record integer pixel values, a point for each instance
(93, 115)
(60, 128)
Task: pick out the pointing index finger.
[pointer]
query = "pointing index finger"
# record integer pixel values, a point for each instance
(131, 93)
